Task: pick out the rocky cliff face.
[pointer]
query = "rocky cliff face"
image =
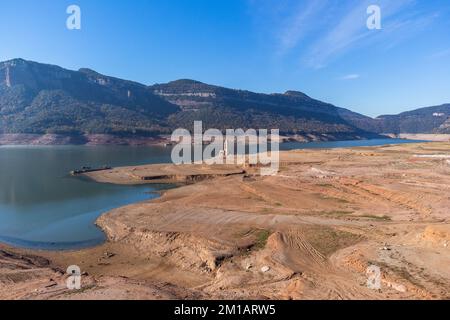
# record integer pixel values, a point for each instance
(39, 98)
(445, 127)
(292, 112)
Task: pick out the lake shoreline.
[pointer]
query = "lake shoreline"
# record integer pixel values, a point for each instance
(155, 140)
(146, 175)
(211, 238)
(422, 136)
(80, 140)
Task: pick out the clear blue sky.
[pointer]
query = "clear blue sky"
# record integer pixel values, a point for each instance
(320, 47)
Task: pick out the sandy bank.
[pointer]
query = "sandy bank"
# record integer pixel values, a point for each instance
(164, 173)
(309, 232)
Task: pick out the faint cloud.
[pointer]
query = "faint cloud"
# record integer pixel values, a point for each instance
(299, 24)
(440, 54)
(320, 31)
(352, 76)
(347, 30)
(350, 31)
(406, 27)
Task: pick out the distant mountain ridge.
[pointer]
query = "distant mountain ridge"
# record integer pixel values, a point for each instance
(218, 107)
(39, 98)
(434, 119)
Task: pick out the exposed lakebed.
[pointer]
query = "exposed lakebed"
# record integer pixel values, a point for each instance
(43, 207)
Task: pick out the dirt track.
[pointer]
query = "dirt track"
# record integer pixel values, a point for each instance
(314, 229)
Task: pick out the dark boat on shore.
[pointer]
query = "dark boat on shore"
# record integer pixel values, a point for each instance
(89, 169)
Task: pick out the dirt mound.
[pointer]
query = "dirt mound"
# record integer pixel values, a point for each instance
(437, 235)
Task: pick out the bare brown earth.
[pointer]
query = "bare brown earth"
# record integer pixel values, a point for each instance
(164, 173)
(314, 229)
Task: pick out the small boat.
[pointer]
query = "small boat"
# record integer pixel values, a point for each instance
(89, 169)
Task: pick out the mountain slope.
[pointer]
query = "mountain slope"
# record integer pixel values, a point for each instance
(38, 98)
(424, 120)
(291, 112)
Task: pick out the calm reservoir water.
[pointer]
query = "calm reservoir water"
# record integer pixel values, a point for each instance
(43, 207)
(344, 144)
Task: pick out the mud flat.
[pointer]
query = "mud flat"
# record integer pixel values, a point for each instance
(164, 173)
(308, 233)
